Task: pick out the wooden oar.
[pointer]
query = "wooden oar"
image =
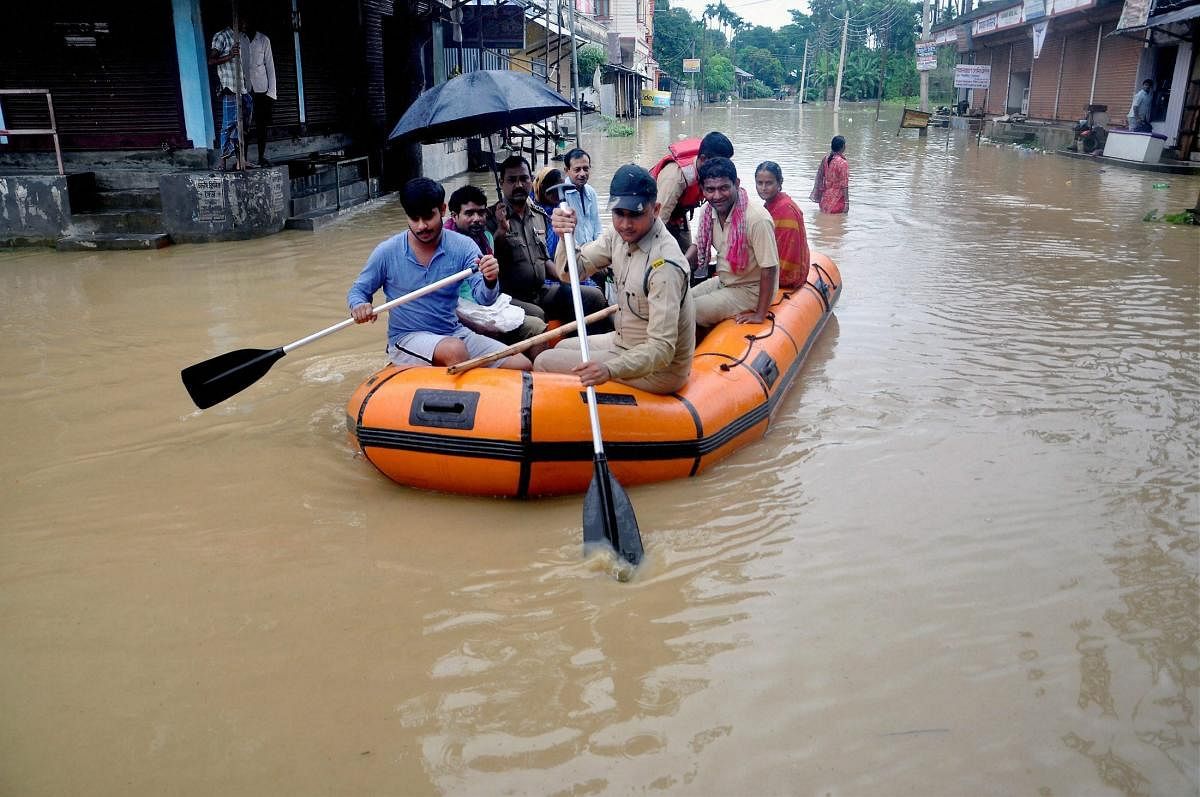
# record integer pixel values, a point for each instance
(225, 375)
(529, 343)
(607, 512)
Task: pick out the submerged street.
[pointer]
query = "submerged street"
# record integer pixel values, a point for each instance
(964, 560)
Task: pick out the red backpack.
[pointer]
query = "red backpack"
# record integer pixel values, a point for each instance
(683, 153)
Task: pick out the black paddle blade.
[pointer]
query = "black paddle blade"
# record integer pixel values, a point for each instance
(608, 515)
(215, 380)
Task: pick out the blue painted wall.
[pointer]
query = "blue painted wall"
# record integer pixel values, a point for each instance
(193, 73)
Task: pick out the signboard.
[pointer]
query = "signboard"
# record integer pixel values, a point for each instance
(1134, 14)
(1063, 6)
(691, 65)
(1008, 18)
(656, 99)
(972, 76)
(947, 36)
(503, 27)
(926, 56)
(1034, 10)
(983, 25)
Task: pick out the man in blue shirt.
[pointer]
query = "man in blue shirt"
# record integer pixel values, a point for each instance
(1140, 110)
(426, 331)
(584, 202)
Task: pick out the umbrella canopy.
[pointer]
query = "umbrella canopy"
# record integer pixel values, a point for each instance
(477, 103)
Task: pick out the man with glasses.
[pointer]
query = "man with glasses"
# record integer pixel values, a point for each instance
(526, 271)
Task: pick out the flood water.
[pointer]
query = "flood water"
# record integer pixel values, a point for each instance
(964, 561)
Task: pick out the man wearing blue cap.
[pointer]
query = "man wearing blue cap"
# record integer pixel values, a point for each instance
(654, 338)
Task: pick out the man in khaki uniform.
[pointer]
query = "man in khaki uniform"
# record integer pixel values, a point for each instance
(520, 242)
(748, 274)
(678, 186)
(655, 336)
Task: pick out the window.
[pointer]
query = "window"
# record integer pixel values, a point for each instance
(603, 9)
(641, 10)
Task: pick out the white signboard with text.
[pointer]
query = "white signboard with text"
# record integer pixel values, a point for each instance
(972, 76)
(926, 56)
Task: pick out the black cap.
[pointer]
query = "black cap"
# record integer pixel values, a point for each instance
(633, 188)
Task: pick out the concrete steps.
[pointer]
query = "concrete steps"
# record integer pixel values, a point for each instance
(124, 211)
(112, 241)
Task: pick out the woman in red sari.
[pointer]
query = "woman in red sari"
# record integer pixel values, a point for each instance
(832, 188)
(790, 236)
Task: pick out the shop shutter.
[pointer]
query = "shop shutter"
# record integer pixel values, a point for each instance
(111, 68)
(1116, 80)
(1045, 78)
(1077, 74)
(998, 96)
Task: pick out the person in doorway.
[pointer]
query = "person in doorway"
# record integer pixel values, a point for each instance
(260, 73)
(583, 201)
(227, 54)
(1139, 111)
(831, 191)
(678, 186)
(744, 239)
(791, 239)
(468, 215)
(426, 331)
(654, 338)
(520, 233)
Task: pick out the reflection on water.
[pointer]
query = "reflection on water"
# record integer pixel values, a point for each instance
(965, 555)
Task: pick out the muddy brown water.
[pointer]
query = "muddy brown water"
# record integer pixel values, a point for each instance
(963, 562)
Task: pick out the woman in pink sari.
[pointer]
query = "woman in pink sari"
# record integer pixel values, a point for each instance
(832, 188)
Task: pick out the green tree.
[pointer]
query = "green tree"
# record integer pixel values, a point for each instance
(590, 57)
(718, 76)
(762, 64)
(676, 36)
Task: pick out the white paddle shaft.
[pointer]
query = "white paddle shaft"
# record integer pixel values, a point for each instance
(568, 240)
(399, 300)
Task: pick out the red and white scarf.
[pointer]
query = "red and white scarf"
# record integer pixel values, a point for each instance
(737, 251)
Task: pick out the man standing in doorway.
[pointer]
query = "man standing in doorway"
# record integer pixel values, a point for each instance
(226, 54)
(260, 74)
(1139, 112)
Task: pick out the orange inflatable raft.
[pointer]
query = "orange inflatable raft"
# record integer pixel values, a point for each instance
(498, 432)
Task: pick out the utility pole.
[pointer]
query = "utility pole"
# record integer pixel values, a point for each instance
(837, 93)
(883, 51)
(803, 72)
(574, 72)
(925, 73)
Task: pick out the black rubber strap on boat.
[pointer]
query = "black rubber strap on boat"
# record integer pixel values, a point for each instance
(751, 339)
(825, 274)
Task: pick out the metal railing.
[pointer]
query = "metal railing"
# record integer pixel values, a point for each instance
(51, 131)
(337, 171)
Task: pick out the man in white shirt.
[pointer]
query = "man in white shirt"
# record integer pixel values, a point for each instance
(260, 73)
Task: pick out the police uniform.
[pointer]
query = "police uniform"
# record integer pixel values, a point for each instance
(673, 182)
(523, 261)
(654, 337)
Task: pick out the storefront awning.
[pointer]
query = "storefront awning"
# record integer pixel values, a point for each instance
(1142, 14)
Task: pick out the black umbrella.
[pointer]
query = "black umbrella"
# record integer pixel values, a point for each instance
(477, 103)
